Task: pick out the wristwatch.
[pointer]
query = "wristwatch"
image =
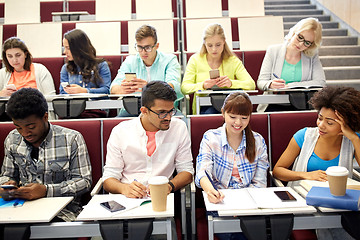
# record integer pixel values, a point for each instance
(172, 186)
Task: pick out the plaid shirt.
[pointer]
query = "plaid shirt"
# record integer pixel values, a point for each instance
(217, 158)
(63, 165)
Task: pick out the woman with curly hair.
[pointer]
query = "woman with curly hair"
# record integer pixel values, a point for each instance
(334, 142)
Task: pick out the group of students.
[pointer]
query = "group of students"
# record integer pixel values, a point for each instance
(296, 60)
(45, 160)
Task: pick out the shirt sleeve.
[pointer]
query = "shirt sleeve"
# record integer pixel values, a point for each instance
(189, 84)
(204, 160)
(124, 68)
(183, 157)
(299, 137)
(64, 77)
(80, 171)
(262, 163)
(9, 171)
(172, 76)
(105, 74)
(46, 81)
(243, 79)
(264, 79)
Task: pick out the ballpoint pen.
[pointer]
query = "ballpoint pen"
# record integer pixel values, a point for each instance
(211, 181)
(276, 76)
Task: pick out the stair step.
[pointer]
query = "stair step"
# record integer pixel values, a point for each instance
(293, 12)
(342, 72)
(329, 32)
(297, 18)
(347, 60)
(355, 83)
(339, 40)
(290, 7)
(325, 25)
(339, 50)
(277, 2)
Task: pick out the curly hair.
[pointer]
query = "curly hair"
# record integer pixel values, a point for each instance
(344, 100)
(26, 102)
(84, 55)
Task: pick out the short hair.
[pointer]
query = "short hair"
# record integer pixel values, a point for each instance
(145, 31)
(26, 102)
(213, 30)
(15, 42)
(308, 24)
(344, 100)
(84, 55)
(157, 90)
(239, 103)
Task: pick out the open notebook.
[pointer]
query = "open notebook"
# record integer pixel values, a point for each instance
(254, 198)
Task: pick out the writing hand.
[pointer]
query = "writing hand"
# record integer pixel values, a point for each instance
(277, 83)
(135, 190)
(215, 196)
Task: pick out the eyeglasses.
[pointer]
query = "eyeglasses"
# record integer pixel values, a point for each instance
(163, 115)
(301, 38)
(147, 48)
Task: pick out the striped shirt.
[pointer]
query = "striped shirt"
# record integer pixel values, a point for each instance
(63, 165)
(217, 158)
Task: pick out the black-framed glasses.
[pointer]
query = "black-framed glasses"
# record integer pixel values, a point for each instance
(147, 48)
(163, 115)
(301, 38)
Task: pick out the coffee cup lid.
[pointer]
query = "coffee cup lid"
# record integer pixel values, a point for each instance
(337, 171)
(158, 180)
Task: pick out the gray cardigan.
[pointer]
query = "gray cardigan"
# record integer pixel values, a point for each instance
(312, 71)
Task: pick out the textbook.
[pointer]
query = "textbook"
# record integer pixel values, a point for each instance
(297, 86)
(254, 198)
(11, 203)
(321, 197)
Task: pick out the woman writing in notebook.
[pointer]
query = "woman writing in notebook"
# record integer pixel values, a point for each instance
(293, 63)
(233, 155)
(215, 54)
(20, 71)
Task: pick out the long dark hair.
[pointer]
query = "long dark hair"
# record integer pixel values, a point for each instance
(238, 103)
(14, 42)
(84, 57)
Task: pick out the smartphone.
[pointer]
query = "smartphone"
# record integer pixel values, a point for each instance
(65, 84)
(8, 187)
(112, 206)
(130, 76)
(214, 73)
(11, 87)
(285, 196)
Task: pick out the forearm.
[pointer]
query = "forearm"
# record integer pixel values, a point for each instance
(181, 180)
(73, 187)
(356, 143)
(285, 174)
(113, 185)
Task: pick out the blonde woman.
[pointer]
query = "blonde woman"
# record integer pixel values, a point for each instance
(215, 54)
(296, 61)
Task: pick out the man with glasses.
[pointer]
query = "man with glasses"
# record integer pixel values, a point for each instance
(153, 144)
(148, 64)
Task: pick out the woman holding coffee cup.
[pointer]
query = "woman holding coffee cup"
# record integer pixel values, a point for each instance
(334, 142)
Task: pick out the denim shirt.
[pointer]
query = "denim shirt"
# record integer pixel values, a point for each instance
(104, 86)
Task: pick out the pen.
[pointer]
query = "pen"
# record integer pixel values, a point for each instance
(211, 181)
(276, 76)
(16, 203)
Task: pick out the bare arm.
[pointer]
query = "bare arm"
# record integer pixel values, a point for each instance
(132, 190)
(181, 180)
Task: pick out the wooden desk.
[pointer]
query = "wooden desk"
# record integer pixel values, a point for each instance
(35, 211)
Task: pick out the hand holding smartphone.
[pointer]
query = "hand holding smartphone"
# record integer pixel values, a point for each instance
(112, 206)
(11, 87)
(130, 76)
(214, 73)
(65, 84)
(8, 187)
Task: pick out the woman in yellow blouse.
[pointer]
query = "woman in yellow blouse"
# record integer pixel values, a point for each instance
(215, 54)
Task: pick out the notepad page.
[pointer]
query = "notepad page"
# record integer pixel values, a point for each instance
(234, 199)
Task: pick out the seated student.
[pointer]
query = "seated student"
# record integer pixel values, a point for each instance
(215, 54)
(334, 142)
(295, 62)
(148, 64)
(153, 144)
(233, 155)
(83, 71)
(42, 159)
(20, 71)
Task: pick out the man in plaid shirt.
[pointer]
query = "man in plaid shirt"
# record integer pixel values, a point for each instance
(42, 159)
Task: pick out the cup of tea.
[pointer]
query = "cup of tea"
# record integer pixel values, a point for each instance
(337, 177)
(158, 191)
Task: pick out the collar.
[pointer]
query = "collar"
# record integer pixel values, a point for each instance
(225, 142)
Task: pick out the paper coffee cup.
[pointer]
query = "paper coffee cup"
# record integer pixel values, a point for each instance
(158, 191)
(337, 177)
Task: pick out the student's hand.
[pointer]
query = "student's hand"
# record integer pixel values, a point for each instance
(209, 83)
(138, 84)
(11, 182)
(277, 83)
(224, 81)
(318, 175)
(135, 190)
(74, 88)
(215, 196)
(30, 192)
(6, 92)
(345, 129)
